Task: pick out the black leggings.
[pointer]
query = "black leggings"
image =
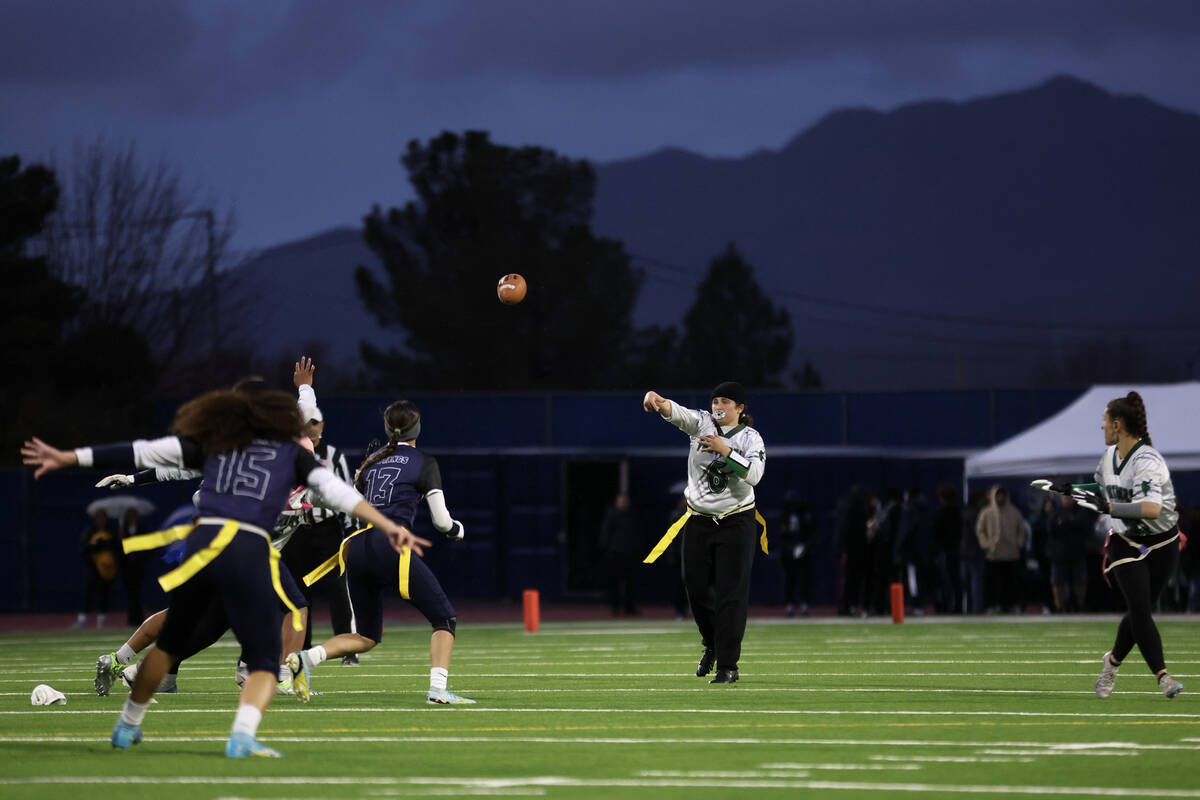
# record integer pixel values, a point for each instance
(1142, 582)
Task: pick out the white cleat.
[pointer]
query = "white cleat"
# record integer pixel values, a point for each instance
(441, 697)
(1170, 687)
(1108, 676)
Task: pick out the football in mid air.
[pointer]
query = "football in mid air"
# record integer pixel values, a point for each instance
(511, 289)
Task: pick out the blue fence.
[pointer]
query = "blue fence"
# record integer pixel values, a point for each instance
(507, 463)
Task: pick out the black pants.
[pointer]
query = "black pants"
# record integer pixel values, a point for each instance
(95, 590)
(133, 573)
(622, 573)
(795, 576)
(717, 557)
(309, 546)
(1141, 582)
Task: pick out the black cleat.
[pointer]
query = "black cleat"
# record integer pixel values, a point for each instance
(706, 662)
(725, 676)
(350, 660)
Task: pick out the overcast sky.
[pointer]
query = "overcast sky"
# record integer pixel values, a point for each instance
(295, 113)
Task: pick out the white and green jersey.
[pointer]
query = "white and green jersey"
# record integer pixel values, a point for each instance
(719, 486)
(1141, 476)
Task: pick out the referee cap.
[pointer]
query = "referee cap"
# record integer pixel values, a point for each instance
(731, 389)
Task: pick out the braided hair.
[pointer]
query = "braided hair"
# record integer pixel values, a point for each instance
(398, 419)
(1132, 412)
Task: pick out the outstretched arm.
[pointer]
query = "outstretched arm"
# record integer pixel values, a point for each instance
(653, 401)
(36, 453)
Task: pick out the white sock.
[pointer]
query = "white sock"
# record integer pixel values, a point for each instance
(317, 654)
(133, 713)
(437, 678)
(247, 720)
(125, 654)
(285, 672)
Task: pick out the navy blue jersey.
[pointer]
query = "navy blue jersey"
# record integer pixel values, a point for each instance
(395, 484)
(252, 484)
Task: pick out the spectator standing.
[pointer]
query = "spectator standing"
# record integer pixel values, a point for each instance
(98, 547)
(947, 538)
(972, 560)
(621, 548)
(1002, 533)
(796, 533)
(912, 550)
(1066, 549)
(854, 514)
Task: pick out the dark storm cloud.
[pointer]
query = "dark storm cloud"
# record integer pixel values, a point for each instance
(210, 55)
(174, 56)
(624, 38)
(87, 43)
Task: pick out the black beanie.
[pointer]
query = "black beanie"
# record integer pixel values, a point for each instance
(731, 389)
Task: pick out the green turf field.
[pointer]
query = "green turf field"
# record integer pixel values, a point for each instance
(614, 710)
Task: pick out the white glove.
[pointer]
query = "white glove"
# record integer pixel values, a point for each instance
(44, 695)
(115, 482)
(456, 532)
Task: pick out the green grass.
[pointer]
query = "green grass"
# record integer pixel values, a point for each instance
(613, 710)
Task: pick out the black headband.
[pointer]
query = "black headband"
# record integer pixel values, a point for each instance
(406, 435)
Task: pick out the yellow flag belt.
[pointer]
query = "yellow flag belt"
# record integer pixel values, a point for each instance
(678, 524)
(338, 560)
(203, 557)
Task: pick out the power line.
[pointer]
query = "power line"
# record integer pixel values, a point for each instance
(924, 316)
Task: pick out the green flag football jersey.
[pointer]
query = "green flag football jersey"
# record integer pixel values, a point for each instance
(1141, 476)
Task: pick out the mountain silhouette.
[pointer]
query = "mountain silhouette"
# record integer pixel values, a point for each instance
(1028, 212)
(309, 285)
(1027, 236)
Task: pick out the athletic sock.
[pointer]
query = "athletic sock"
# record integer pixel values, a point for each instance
(125, 654)
(285, 672)
(133, 713)
(247, 720)
(437, 678)
(316, 655)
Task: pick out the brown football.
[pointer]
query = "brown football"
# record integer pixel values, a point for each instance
(511, 289)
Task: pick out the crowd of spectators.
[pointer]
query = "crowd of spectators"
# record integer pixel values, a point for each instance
(991, 554)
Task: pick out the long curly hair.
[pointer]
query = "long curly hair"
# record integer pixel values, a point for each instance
(228, 419)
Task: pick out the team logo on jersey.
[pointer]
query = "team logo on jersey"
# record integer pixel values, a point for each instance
(1145, 487)
(716, 479)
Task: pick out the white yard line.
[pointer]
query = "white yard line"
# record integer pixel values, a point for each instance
(644, 783)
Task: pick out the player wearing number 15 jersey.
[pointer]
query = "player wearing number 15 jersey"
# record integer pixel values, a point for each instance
(245, 445)
(393, 479)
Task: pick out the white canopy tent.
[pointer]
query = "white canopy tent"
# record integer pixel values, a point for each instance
(1070, 442)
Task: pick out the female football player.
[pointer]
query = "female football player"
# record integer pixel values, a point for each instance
(1142, 550)
(394, 479)
(245, 445)
(725, 461)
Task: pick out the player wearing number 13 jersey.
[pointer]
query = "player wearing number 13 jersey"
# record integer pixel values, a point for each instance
(394, 479)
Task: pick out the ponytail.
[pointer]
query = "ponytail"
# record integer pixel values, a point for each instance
(375, 455)
(401, 420)
(1131, 410)
(746, 419)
